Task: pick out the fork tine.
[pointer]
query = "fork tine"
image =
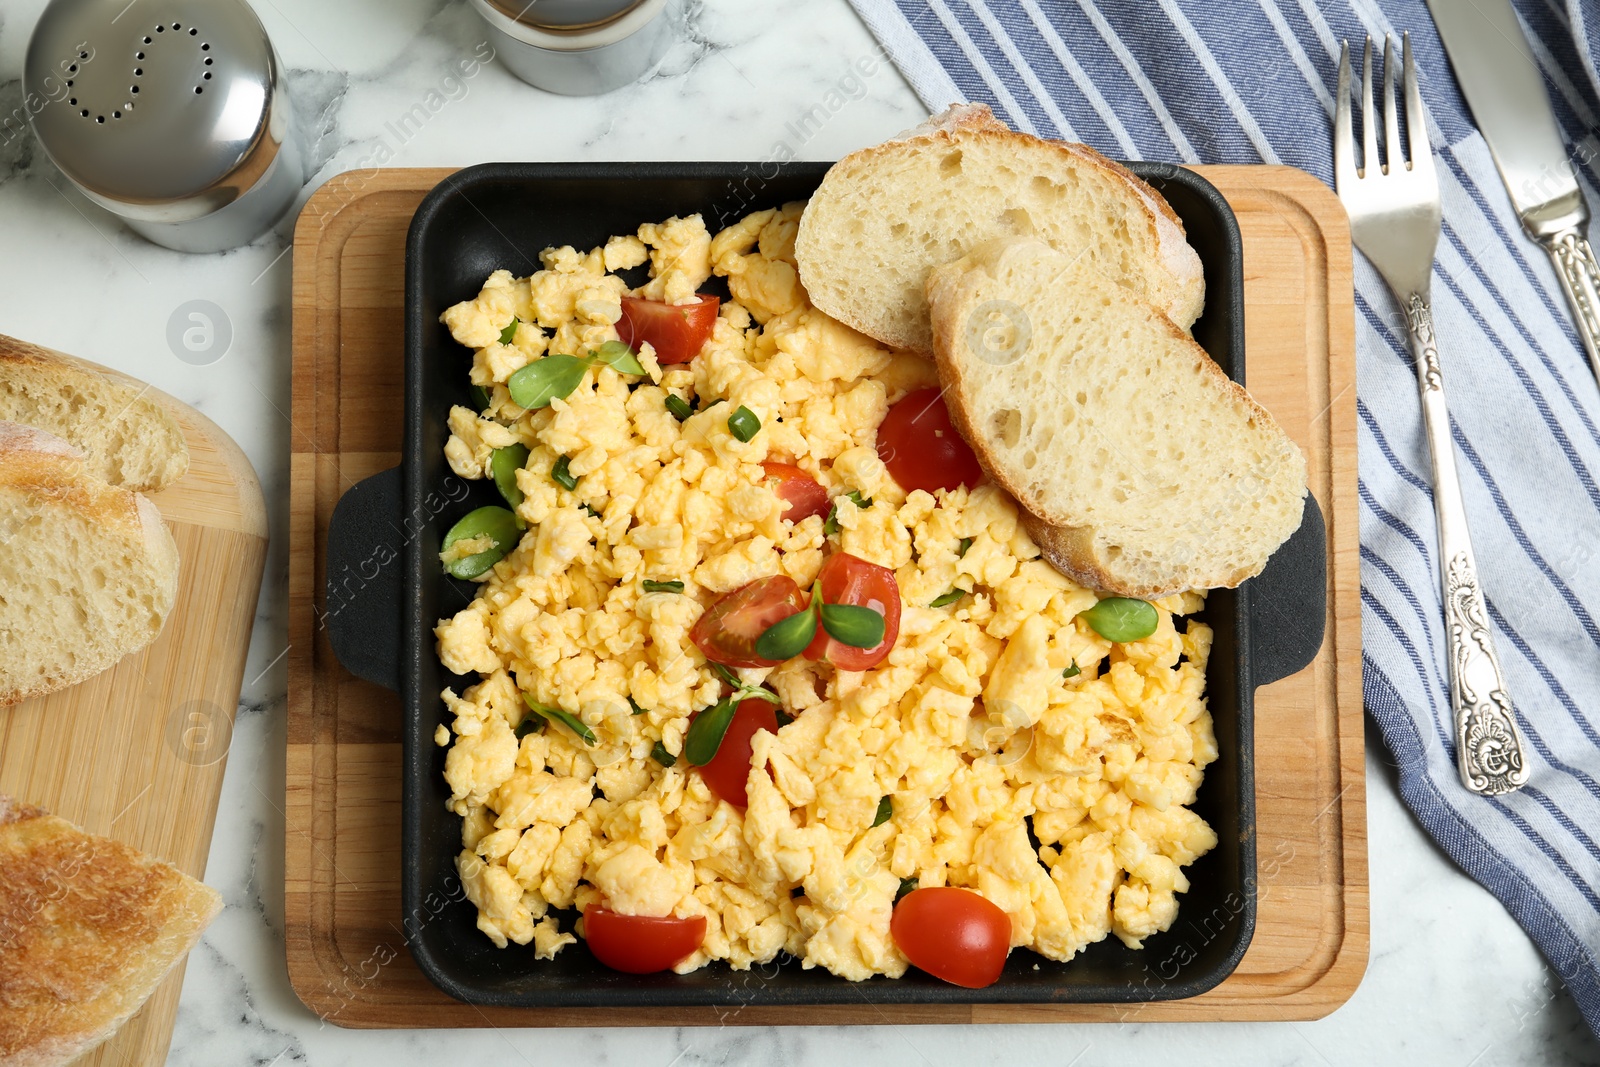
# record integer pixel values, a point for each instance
(1344, 146)
(1416, 118)
(1392, 152)
(1370, 167)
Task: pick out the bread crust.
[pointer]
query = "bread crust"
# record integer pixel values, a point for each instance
(61, 370)
(966, 123)
(89, 928)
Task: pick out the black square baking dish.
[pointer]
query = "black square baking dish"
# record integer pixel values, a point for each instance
(501, 215)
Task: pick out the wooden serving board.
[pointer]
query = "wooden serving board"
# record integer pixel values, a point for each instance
(347, 956)
(137, 753)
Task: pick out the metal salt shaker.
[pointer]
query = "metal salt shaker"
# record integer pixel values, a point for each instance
(576, 47)
(170, 114)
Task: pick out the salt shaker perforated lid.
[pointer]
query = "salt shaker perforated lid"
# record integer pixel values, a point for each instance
(168, 113)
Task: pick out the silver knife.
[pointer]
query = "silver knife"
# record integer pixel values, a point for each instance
(1494, 64)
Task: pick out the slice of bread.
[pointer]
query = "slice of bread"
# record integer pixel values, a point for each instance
(88, 571)
(89, 927)
(127, 437)
(886, 215)
(1146, 469)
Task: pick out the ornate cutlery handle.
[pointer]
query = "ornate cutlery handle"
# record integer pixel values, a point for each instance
(1488, 747)
(1580, 280)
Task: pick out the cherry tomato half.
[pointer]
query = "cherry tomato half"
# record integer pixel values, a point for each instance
(921, 448)
(729, 770)
(676, 331)
(641, 944)
(802, 496)
(848, 579)
(727, 631)
(953, 934)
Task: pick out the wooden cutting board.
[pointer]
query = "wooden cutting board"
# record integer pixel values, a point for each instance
(137, 753)
(347, 958)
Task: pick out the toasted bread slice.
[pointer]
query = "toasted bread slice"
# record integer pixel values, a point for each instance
(886, 215)
(1145, 469)
(127, 437)
(88, 571)
(88, 929)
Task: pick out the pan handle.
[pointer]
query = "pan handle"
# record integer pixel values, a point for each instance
(1289, 602)
(365, 571)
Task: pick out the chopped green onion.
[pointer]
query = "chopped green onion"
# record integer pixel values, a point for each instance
(885, 811)
(570, 721)
(741, 686)
(660, 754)
(961, 549)
(830, 525)
(679, 407)
(946, 599)
(592, 510)
(562, 476)
(743, 424)
(634, 704)
(906, 886)
(502, 527)
(481, 397)
(1120, 618)
(509, 334)
(783, 717)
(1072, 671)
(531, 723)
(662, 587)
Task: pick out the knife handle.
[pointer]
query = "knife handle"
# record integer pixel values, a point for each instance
(1580, 280)
(1488, 744)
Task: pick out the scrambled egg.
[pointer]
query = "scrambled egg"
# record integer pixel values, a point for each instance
(1062, 800)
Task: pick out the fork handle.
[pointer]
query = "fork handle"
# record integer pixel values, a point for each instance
(1488, 746)
(1580, 280)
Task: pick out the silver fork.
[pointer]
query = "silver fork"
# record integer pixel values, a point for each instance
(1394, 220)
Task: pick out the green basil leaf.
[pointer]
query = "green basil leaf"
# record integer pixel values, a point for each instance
(619, 357)
(946, 599)
(504, 464)
(961, 549)
(885, 811)
(855, 626)
(562, 476)
(678, 406)
(634, 704)
(743, 424)
(494, 522)
(1120, 618)
(907, 885)
(481, 397)
(659, 753)
(787, 638)
(571, 722)
(662, 587)
(509, 334)
(1072, 671)
(547, 379)
(706, 732)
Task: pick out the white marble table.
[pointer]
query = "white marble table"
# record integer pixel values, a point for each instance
(1452, 979)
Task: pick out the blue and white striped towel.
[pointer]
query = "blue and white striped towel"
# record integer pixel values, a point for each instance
(1253, 81)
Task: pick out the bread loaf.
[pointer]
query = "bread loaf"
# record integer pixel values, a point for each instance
(88, 571)
(884, 216)
(89, 927)
(127, 438)
(1144, 468)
